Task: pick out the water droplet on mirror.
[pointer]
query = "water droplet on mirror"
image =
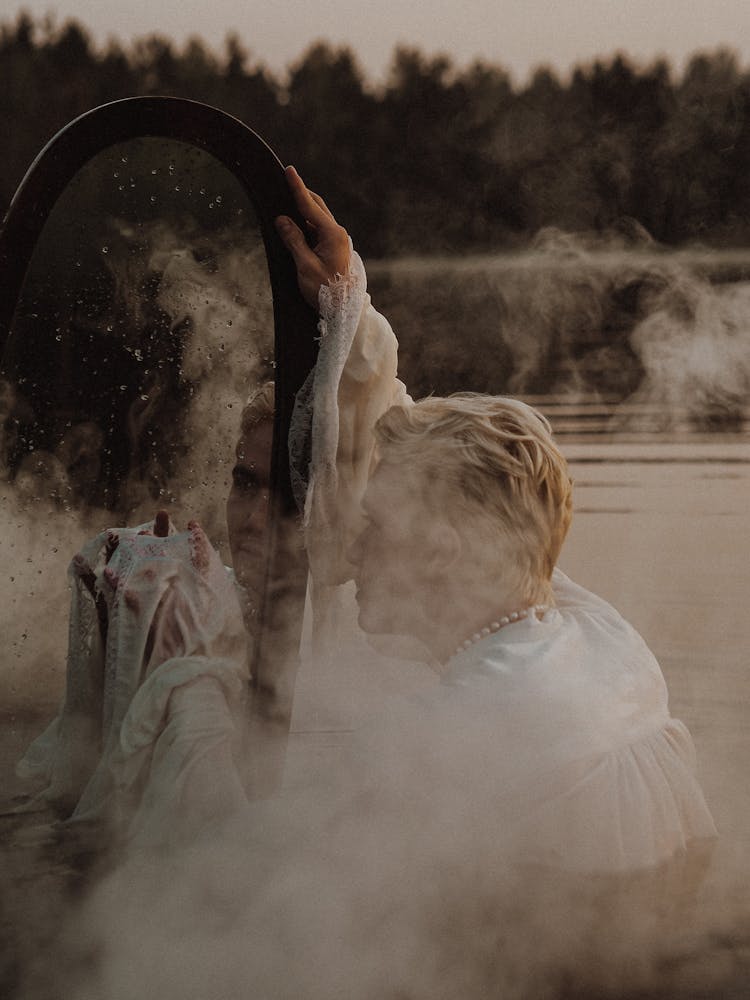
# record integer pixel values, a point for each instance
(124, 159)
(105, 249)
(154, 171)
(116, 173)
(153, 199)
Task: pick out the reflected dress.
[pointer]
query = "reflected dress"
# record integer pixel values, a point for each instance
(146, 740)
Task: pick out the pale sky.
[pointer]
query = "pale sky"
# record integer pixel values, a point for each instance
(520, 34)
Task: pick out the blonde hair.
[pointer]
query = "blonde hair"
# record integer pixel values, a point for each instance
(488, 465)
(260, 406)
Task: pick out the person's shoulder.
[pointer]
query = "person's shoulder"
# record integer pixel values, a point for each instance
(604, 630)
(571, 596)
(592, 616)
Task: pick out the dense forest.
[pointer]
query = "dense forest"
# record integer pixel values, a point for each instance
(438, 158)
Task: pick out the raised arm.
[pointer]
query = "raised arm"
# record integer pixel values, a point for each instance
(353, 384)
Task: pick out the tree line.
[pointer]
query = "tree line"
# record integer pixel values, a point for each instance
(438, 159)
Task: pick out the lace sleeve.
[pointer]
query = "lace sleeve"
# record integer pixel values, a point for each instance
(353, 383)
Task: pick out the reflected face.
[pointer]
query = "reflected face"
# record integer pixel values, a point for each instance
(391, 555)
(248, 508)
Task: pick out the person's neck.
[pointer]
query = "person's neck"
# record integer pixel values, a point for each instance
(470, 616)
(461, 619)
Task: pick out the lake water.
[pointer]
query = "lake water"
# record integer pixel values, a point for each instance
(661, 530)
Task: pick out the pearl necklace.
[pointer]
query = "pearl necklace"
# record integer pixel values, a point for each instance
(514, 616)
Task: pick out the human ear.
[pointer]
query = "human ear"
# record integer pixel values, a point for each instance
(443, 548)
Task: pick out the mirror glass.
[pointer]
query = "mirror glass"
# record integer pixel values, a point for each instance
(144, 323)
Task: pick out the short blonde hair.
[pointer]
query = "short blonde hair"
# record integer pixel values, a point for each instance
(489, 465)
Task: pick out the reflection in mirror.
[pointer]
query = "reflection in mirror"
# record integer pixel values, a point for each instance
(144, 320)
(144, 323)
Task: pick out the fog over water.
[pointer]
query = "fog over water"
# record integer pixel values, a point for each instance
(387, 892)
(323, 894)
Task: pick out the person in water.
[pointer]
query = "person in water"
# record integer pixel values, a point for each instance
(450, 514)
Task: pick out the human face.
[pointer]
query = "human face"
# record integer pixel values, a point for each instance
(390, 556)
(248, 508)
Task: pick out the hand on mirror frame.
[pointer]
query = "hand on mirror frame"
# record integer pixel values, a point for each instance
(330, 253)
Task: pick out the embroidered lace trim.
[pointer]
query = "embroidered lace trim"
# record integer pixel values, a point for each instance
(314, 432)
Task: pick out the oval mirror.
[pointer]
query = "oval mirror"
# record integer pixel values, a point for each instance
(147, 297)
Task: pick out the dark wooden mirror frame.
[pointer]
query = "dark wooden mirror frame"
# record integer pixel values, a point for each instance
(261, 175)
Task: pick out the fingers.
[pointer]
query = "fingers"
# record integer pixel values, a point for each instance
(319, 201)
(293, 239)
(308, 206)
(161, 524)
(310, 271)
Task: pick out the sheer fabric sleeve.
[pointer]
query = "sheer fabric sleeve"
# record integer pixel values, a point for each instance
(569, 594)
(353, 384)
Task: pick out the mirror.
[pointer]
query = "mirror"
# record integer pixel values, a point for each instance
(144, 322)
(147, 298)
